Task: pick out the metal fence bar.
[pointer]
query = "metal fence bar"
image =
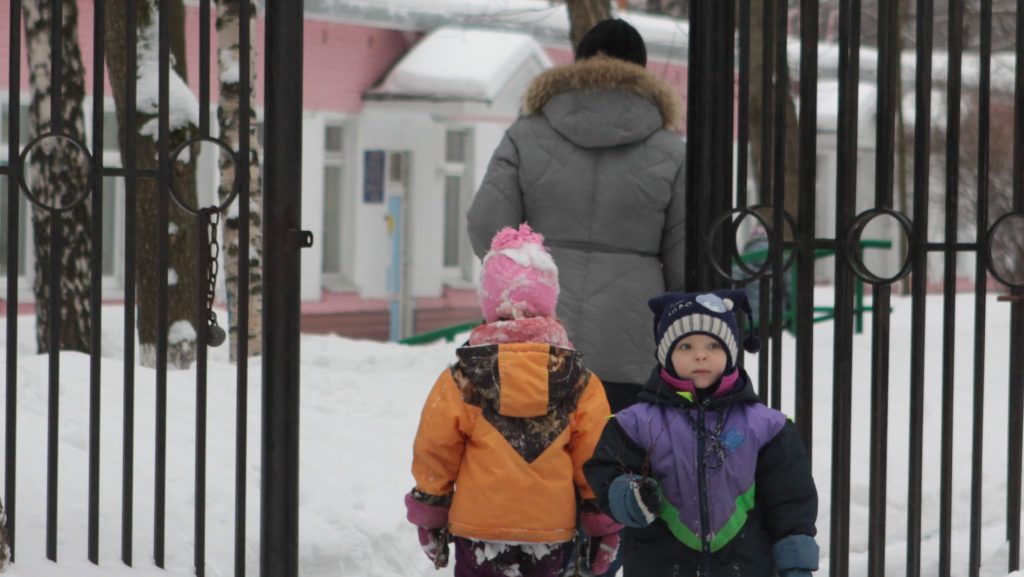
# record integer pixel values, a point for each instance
(764, 189)
(282, 211)
(163, 217)
(743, 107)
(56, 67)
(204, 71)
(725, 81)
(1015, 457)
(242, 333)
(919, 280)
(1015, 444)
(699, 140)
(778, 276)
(780, 102)
(13, 234)
(804, 401)
(96, 296)
(980, 288)
(202, 286)
(952, 198)
(849, 64)
(53, 413)
(888, 88)
(128, 328)
(56, 249)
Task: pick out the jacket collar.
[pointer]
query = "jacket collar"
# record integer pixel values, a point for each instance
(658, 390)
(604, 73)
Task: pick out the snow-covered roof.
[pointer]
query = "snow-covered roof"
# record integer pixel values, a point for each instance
(461, 64)
(666, 38)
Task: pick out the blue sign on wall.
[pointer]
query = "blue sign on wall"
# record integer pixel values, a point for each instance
(373, 177)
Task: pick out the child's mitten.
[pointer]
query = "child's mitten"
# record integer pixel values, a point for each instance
(796, 556)
(435, 545)
(634, 500)
(431, 522)
(604, 539)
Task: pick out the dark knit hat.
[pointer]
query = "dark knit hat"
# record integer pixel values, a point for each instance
(677, 315)
(615, 38)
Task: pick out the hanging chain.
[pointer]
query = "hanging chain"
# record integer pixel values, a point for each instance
(215, 334)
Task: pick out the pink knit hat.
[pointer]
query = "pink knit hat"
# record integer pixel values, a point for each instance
(519, 278)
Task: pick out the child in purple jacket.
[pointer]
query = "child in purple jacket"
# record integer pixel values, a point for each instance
(707, 479)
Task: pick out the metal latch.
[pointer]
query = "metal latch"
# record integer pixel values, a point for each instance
(303, 238)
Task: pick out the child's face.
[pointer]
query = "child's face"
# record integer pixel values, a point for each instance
(699, 358)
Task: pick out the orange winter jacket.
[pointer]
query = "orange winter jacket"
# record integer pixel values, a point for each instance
(508, 428)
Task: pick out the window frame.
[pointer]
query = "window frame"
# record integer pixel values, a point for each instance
(461, 274)
(339, 280)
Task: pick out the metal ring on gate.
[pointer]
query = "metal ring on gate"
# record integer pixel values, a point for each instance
(23, 158)
(988, 248)
(234, 185)
(853, 252)
(765, 267)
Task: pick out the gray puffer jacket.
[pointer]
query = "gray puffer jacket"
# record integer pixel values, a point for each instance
(591, 165)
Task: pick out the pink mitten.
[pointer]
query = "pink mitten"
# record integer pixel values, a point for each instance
(431, 525)
(607, 547)
(435, 545)
(604, 542)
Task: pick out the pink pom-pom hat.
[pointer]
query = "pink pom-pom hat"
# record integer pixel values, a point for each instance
(519, 278)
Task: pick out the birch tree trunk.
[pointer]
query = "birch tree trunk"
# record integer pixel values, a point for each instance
(182, 272)
(228, 26)
(583, 14)
(58, 174)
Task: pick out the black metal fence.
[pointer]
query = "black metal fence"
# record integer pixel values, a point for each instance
(283, 82)
(721, 34)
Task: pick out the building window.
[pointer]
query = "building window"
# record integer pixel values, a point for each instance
(5, 127)
(455, 170)
(334, 196)
(452, 203)
(455, 146)
(332, 219)
(110, 141)
(23, 233)
(396, 167)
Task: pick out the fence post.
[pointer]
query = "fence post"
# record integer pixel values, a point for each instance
(282, 202)
(709, 135)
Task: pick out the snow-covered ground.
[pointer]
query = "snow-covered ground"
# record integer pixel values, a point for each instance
(360, 406)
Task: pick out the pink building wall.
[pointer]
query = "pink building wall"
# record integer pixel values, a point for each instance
(341, 61)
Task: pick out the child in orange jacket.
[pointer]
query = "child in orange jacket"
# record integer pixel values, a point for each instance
(498, 458)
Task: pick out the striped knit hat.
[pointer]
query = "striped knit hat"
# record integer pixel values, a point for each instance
(677, 315)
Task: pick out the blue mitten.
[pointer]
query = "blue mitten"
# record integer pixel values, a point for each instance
(796, 556)
(634, 500)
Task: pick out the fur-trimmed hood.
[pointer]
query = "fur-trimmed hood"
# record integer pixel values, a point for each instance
(607, 85)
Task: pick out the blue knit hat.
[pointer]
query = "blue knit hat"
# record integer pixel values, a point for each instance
(677, 315)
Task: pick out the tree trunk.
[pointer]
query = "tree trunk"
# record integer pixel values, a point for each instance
(228, 13)
(583, 14)
(757, 115)
(59, 174)
(182, 273)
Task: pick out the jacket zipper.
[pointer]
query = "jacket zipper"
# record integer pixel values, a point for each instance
(702, 487)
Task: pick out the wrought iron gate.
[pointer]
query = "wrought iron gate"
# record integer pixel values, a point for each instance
(283, 102)
(721, 35)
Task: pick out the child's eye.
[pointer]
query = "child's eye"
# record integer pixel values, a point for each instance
(714, 346)
(683, 346)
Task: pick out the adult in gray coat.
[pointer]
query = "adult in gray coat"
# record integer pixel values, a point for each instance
(593, 165)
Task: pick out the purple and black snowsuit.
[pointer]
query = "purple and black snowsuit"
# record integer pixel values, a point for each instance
(733, 474)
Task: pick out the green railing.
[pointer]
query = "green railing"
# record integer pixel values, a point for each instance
(823, 313)
(447, 333)
(788, 316)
